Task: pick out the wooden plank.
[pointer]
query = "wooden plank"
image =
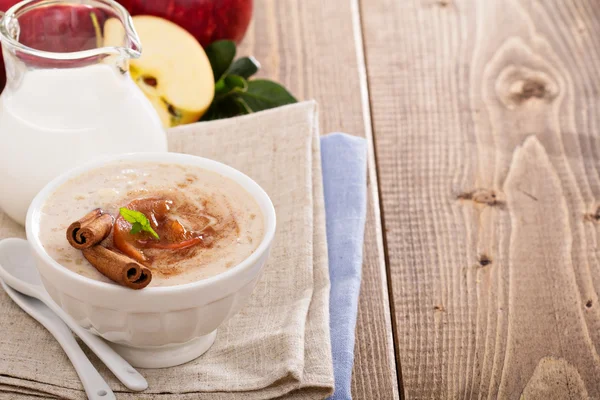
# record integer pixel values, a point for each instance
(485, 114)
(310, 47)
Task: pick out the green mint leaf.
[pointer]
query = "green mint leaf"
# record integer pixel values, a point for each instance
(136, 228)
(138, 221)
(220, 55)
(244, 67)
(132, 216)
(263, 94)
(152, 232)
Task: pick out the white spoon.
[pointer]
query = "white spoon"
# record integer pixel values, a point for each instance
(17, 270)
(95, 386)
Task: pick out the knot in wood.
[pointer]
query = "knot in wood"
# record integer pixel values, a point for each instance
(517, 86)
(481, 196)
(484, 260)
(531, 88)
(594, 216)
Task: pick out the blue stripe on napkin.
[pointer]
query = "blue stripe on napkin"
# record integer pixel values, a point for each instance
(344, 161)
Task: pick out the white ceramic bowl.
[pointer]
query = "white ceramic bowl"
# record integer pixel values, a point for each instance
(157, 326)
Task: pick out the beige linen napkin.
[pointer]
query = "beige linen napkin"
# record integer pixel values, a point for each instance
(278, 343)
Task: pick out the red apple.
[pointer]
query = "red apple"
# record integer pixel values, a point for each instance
(206, 20)
(59, 28)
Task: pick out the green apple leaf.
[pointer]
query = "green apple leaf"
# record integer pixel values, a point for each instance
(227, 107)
(243, 105)
(228, 85)
(263, 94)
(244, 67)
(234, 94)
(220, 54)
(236, 81)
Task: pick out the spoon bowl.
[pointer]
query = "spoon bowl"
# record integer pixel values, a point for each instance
(17, 268)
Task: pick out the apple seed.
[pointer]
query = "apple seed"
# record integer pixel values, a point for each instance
(150, 81)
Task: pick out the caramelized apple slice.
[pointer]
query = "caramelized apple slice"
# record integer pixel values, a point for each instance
(176, 237)
(173, 235)
(126, 242)
(155, 210)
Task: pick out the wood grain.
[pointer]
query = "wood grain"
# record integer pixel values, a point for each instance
(486, 121)
(310, 47)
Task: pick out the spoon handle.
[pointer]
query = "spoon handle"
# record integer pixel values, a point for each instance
(121, 368)
(95, 386)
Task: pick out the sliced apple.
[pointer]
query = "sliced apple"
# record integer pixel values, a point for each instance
(173, 72)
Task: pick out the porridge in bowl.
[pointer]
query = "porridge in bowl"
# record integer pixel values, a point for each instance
(181, 222)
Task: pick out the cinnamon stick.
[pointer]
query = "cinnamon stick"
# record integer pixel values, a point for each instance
(90, 230)
(118, 267)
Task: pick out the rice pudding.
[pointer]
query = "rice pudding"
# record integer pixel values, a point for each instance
(202, 222)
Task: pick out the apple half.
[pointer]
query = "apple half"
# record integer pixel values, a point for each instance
(173, 72)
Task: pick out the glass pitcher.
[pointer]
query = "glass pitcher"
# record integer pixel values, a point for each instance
(68, 97)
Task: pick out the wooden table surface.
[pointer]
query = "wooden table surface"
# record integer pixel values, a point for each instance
(482, 263)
